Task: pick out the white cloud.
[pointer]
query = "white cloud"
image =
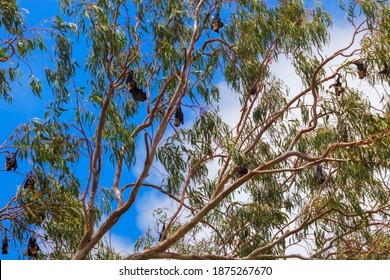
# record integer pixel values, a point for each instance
(145, 206)
(229, 105)
(121, 244)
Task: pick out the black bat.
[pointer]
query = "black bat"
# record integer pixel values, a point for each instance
(33, 248)
(319, 176)
(138, 94)
(42, 215)
(361, 69)
(161, 233)
(385, 71)
(338, 88)
(131, 84)
(11, 162)
(216, 23)
(179, 117)
(30, 182)
(242, 170)
(4, 245)
(253, 90)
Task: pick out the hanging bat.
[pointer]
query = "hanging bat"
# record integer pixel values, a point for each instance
(242, 170)
(338, 88)
(4, 245)
(319, 175)
(11, 162)
(253, 90)
(33, 248)
(138, 94)
(385, 71)
(131, 84)
(361, 69)
(179, 117)
(216, 23)
(161, 233)
(30, 182)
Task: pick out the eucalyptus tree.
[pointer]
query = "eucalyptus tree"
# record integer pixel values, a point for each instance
(302, 167)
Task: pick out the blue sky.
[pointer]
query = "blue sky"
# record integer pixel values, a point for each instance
(26, 106)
